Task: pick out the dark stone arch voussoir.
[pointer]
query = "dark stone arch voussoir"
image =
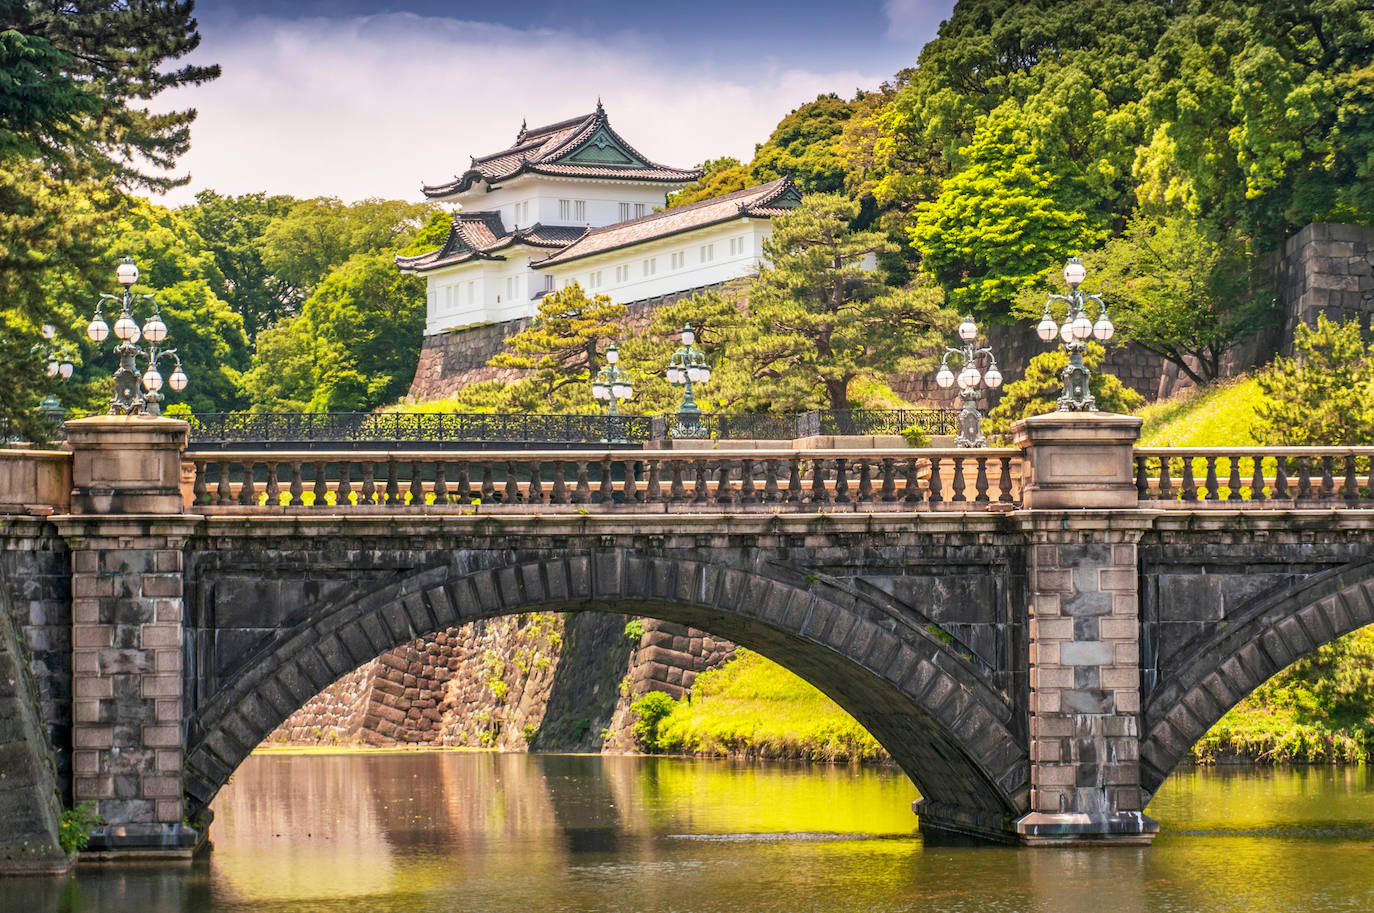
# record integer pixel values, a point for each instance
(951, 732)
(1269, 638)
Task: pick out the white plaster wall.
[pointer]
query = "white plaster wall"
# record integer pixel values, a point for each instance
(602, 200)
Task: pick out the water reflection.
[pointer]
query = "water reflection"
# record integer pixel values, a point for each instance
(455, 832)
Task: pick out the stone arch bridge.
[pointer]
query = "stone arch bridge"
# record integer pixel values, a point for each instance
(1036, 634)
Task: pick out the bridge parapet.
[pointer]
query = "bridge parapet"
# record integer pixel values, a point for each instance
(1254, 477)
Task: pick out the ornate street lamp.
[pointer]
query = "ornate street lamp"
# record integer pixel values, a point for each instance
(687, 366)
(970, 419)
(613, 385)
(1073, 333)
(128, 398)
(58, 363)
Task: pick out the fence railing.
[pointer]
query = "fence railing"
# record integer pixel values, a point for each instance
(458, 430)
(1255, 476)
(706, 480)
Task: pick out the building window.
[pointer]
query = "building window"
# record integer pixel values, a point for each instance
(640, 210)
(708, 253)
(471, 291)
(679, 259)
(522, 214)
(624, 212)
(565, 210)
(622, 274)
(548, 282)
(736, 246)
(650, 266)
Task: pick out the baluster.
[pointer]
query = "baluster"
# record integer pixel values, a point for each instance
(1142, 481)
(702, 468)
(865, 481)
(653, 488)
(369, 490)
(911, 491)
(630, 489)
(1166, 484)
(198, 489)
(724, 494)
(1304, 479)
(677, 492)
(464, 483)
(1189, 485)
(297, 487)
(273, 484)
(1212, 493)
(512, 483)
(321, 489)
(1351, 487)
(935, 481)
(771, 470)
(819, 494)
(560, 488)
(1257, 478)
(1004, 480)
(959, 484)
(582, 491)
(247, 494)
(393, 482)
(343, 491)
(1281, 478)
(1328, 489)
(1369, 479)
(535, 493)
(440, 483)
(606, 492)
(794, 485)
(417, 485)
(222, 489)
(746, 484)
(980, 484)
(889, 487)
(841, 481)
(488, 487)
(1233, 483)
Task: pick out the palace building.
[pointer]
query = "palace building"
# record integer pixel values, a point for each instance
(574, 202)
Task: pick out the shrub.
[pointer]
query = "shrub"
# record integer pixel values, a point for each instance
(634, 629)
(651, 709)
(74, 830)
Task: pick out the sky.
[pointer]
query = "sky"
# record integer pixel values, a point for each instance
(367, 98)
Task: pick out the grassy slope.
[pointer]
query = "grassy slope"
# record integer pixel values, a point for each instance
(755, 707)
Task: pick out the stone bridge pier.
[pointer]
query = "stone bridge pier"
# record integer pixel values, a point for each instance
(1036, 666)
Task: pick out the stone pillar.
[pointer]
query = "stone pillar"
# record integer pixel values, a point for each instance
(1084, 630)
(126, 533)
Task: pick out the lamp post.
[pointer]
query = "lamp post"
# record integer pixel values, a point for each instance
(687, 366)
(970, 419)
(613, 385)
(128, 398)
(60, 366)
(1073, 333)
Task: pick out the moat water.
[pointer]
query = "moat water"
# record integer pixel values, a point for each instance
(441, 831)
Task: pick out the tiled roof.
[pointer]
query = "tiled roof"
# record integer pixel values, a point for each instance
(763, 201)
(478, 235)
(581, 147)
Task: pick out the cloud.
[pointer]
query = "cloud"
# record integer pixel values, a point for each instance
(371, 106)
(915, 21)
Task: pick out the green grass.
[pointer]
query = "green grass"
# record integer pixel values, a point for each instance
(753, 707)
(1218, 415)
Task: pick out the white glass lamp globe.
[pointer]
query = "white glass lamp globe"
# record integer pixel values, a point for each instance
(688, 335)
(694, 374)
(53, 368)
(1104, 328)
(1046, 328)
(612, 356)
(1075, 272)
(675, 376)
(97, 330)
(1082, 327)
(599, 391)
(152, 380)
(993, 377)
(65, 369)
(178, 380)
(127, 272)
(49, 331)
(705, 375)
(968, 330)
(969, 377)
(155, 330)
(620, 391)
(126, 329)
(945, 377)
(1066, 332)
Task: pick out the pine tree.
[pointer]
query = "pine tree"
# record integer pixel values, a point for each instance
(1322, 397)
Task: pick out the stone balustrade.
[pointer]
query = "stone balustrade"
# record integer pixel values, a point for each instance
(1254, 477)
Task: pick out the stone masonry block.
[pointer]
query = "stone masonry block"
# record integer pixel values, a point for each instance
(1044, 629)
(1047, 654)
(92, 636)
(1126, 654)
(1052, 677)
(162, 736)
(1045, 701)
(1086, 653)
(168, 810)
(85, 611)
(93, 736)
(159, 635)
(94, 688)
(165, 585)
(1116, 677)
(1117, 579)
(1052, 580)
(1127, 701)
(1115, 628)
(1053, 775)
(161, 786)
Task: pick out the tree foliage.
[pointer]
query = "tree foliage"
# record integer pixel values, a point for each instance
(233, 230)
(723, 175)
(1322, 396)
(1039, 390)
(806, 145)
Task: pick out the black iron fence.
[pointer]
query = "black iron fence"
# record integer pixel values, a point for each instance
(477, 431)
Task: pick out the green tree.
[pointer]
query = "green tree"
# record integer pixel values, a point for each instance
(723, 175)
(1181, 291)
(233, 229)
(806, 145)
(1323, 395)
(561, 349)
(820, 317)
(1039, 390)
(76, 75)
(1000, 223)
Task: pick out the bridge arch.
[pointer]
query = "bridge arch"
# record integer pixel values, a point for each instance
(956, 736)
(1267, 638)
